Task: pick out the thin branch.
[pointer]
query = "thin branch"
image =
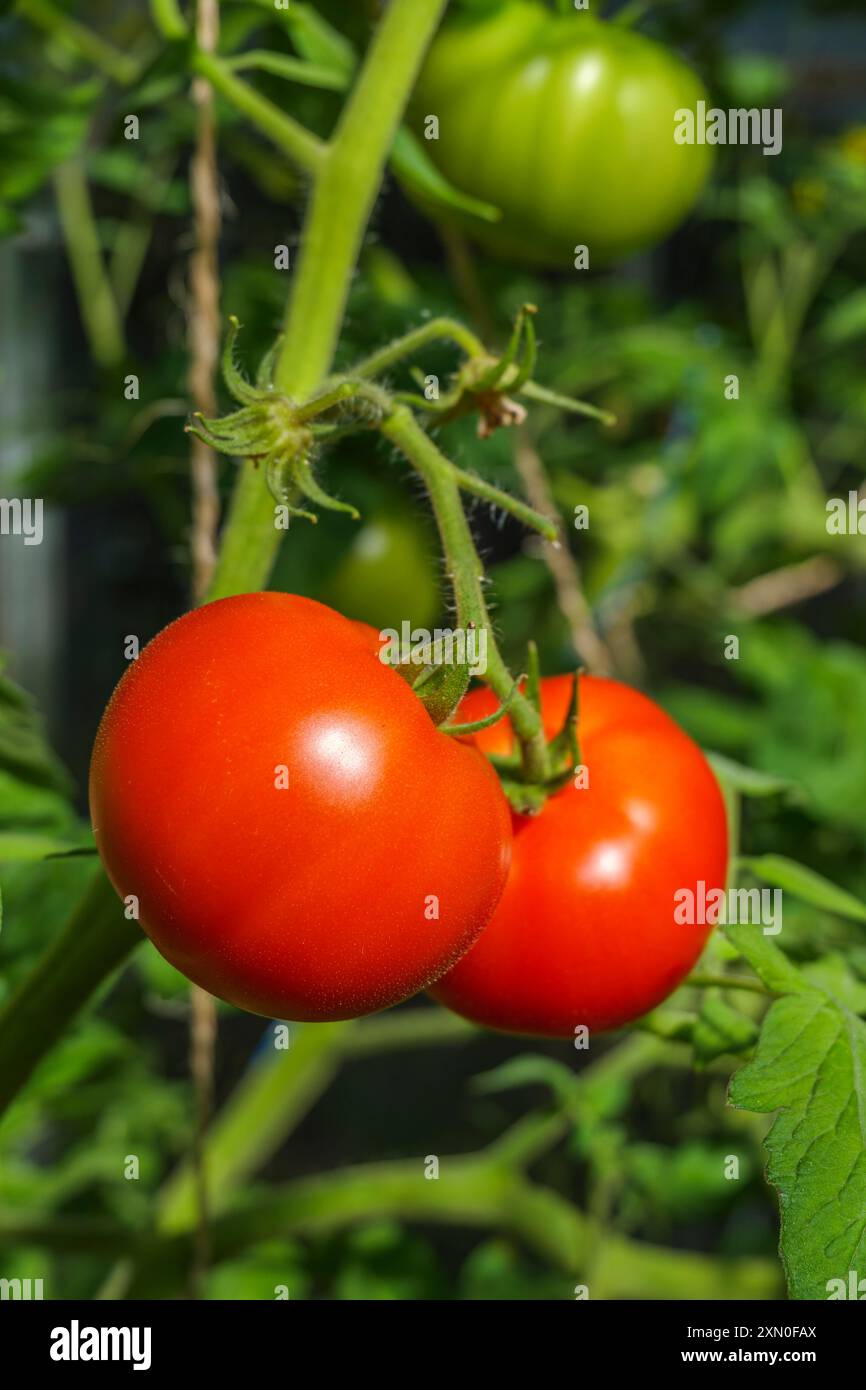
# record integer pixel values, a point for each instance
(791, 584)
(442, 329)
(292, 69)
(562, 565)
(540, 519)
(559, 560)
(705, 979)
(465, 572)
(96, 301)
(302, 147)
(168, 18)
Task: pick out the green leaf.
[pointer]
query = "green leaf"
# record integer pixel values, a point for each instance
(810, 1065)
(16, 847)
(810, 725)
(765, 958)
(832, 975)
(683, 1182)
(528, 1070)
(317, 40)
(720, 1028)
(496, 1272)
(24, 752)
(419, 175)
(846, 319)
(806, 885)
(747, 780)
(41, 125)
(258, 1273)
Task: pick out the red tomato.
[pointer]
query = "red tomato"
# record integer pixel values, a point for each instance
(345, 891)
(585, 931)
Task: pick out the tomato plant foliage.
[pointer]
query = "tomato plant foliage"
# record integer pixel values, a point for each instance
(326, 896)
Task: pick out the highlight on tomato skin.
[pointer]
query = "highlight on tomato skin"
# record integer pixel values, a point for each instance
(586, 932)
(298, 837)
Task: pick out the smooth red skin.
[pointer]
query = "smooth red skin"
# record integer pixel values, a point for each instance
(306, 903)
(585, 931)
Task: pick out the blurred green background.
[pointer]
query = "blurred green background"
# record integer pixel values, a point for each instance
(707, 517)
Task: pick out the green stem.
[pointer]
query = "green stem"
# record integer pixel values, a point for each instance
(95, 295)
(520, 510)
(704, 979)
(271, 1099)
(534, 392)
(95, 941)
(341, 392)
(292, 69)
(169, 20)
(437, 330)
(478, 1192)
(345, 189)
(131, 245)
(275, 1095)
(80, 40)
(302, 147)
(667, 1023)
(416, 1027)
(471, 1191)
(466, 572)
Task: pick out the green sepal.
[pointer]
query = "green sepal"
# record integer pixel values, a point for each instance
(494, 377)
(565, 744)
(241, 389)
(441, 688)
(267, 366)
(420, 176)
(303, 476)
(476, 725)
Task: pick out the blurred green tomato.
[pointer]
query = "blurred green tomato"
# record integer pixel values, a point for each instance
(387, 574)
(567, 125)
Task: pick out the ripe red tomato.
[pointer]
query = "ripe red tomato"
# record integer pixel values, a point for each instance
(345, 891)
(566, 124)
(585, 930)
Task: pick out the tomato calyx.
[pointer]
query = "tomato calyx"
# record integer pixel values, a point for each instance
(440, 688)
(475, 726)
(487, 385)
(528, 794)
(272, 430)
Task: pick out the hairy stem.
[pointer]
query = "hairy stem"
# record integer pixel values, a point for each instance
(465, 571)
(437, 330)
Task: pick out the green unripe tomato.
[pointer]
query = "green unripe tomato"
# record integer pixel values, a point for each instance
(387, 574)
(566, 124)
